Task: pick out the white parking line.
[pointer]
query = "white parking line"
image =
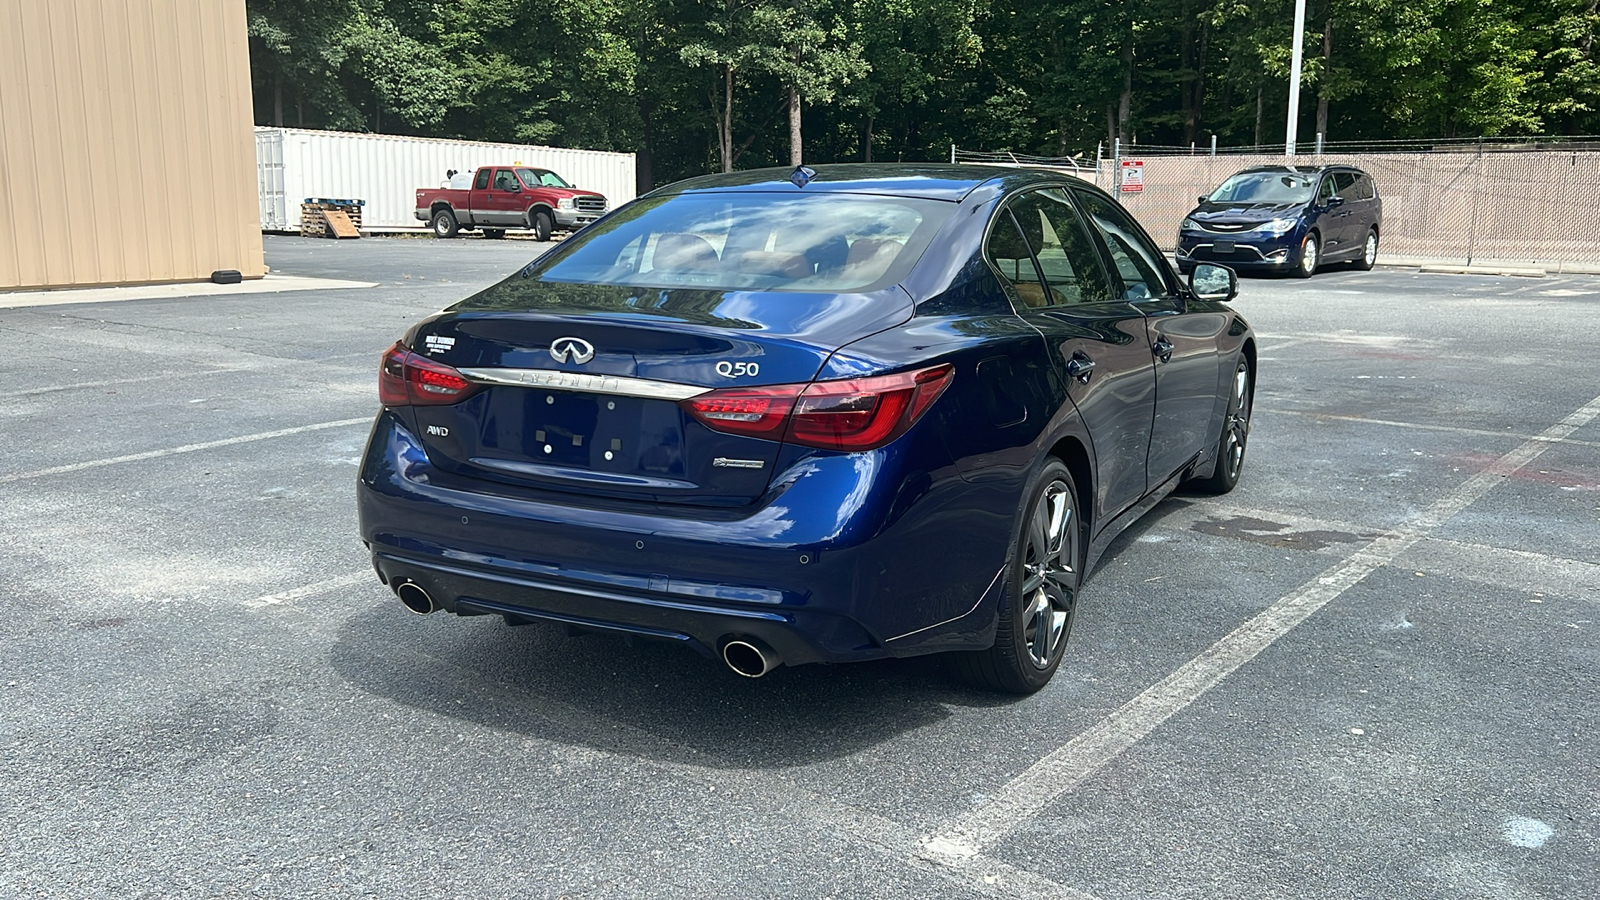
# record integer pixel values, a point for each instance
(1453, 429)
(1029, 793)
(312, 590)
(187, 448)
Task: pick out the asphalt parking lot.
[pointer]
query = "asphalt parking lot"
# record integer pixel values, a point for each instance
(1370, 671)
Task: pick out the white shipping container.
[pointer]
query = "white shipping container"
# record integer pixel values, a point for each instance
(385, 170)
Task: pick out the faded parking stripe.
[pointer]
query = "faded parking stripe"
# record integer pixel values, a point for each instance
(1029, 793)
(186, 448)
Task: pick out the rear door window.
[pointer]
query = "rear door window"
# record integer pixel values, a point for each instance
(1065, 252)
(1138, 263)
(1344, 185)
(483, 179)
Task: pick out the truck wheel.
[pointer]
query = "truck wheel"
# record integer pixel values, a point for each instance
(444, 224)
(542, 225)
(494, 234)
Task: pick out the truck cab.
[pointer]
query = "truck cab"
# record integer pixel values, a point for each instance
(500, 198)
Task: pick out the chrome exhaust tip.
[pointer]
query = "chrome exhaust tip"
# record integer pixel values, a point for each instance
(415, 598)
(749, 657)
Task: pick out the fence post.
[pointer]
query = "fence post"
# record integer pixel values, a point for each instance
(1099, 148)
(1477, 192)
(952, 154)
(1213, 145)
(1116, 166)
(1319, 143)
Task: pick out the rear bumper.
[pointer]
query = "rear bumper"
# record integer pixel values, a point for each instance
(831, 567)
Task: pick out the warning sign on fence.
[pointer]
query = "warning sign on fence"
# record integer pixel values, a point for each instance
(1132, 176)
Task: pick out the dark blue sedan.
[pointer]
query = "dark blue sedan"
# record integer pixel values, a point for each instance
(784, 417)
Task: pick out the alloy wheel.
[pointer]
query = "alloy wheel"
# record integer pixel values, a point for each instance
(1370, 255)
(1308, 255)
(1050, 574)
(1238, 422)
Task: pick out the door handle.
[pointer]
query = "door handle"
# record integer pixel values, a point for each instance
(1162, 348)
(1080, 367)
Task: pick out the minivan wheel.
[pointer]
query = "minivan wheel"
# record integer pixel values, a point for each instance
(1310, 250)
(1369, 253)
(1041, 593)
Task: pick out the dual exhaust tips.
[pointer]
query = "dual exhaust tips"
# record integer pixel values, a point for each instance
(746, 656)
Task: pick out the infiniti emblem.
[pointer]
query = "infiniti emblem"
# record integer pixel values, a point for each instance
(574, 349)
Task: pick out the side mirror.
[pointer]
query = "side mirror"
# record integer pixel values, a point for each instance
(1335, 202)
(1213, 282)
(1202, 199)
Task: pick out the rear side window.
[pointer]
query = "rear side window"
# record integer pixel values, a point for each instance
(483, 180)
(821, 242)
(1009, 252)
(1365, 190)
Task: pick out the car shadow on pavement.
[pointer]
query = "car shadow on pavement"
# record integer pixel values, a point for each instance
(641, 698)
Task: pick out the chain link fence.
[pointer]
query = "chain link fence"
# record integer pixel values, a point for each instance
(1460, 205)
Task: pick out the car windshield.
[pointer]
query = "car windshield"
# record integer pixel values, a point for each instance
(1265, 187)
(820, 242)
(541, 178)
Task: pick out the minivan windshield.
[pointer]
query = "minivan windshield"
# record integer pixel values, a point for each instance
(1265, 187)
(759, 241)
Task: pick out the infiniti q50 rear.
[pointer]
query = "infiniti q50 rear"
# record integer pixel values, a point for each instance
(862, 412)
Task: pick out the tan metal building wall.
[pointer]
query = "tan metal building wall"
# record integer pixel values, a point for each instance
(127, 151)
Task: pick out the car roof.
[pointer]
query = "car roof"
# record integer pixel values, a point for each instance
(1300, 170)
(934, 181)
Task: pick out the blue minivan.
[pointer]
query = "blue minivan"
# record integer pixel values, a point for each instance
(1285, 219)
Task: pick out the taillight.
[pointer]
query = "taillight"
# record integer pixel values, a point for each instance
(406, 379)
(854, 414)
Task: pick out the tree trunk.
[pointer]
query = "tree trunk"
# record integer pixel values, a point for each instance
(1111, 126)
(1199, 105)
(795, 154)
(725, 131)
(1125, 103)
(1185, 70)
(866, 138)
(1259, 108)
(1322, 86)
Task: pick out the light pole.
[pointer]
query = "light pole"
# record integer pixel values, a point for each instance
(1294, 78)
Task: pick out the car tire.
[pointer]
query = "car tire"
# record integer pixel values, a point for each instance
(1369, 252)
(542, 225)
(1310, 256)
(1235, 436)
(1043, 576)
(445, 224)
(494, 234)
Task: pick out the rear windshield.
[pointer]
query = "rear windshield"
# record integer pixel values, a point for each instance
(1265, 187)
(819, 242)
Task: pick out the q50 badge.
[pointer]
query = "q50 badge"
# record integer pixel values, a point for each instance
(738, 369)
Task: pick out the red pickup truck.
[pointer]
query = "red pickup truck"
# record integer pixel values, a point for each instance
(496, 198)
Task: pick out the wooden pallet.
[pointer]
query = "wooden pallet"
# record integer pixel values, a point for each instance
(314, 218)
